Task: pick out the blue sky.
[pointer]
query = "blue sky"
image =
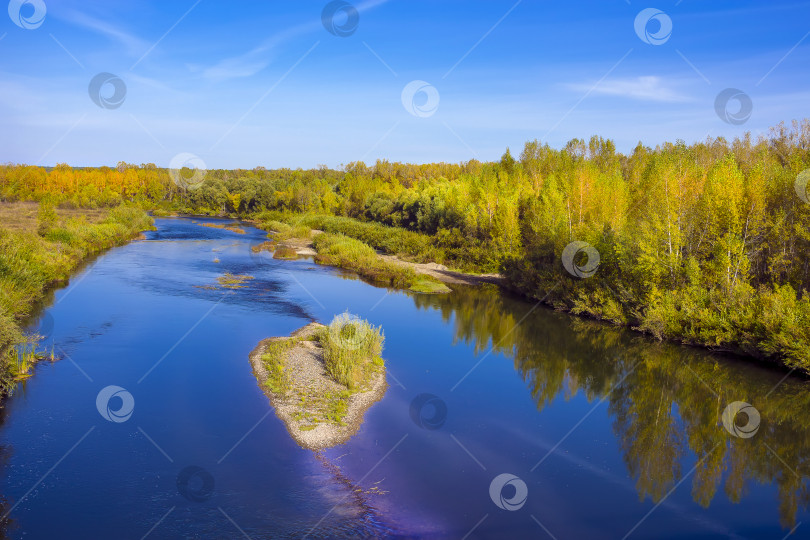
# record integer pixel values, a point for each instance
(264, 83)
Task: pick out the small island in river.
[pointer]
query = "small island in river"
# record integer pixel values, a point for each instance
(321, 380)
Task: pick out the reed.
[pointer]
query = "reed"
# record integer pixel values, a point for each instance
(352, 350)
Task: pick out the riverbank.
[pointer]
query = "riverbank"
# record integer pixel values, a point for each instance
(40, 246)
(318, 410)
(768, 323)
(349, 253)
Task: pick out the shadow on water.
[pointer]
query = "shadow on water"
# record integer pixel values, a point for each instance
(665, 401)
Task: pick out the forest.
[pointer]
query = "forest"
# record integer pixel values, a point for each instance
(706, 244)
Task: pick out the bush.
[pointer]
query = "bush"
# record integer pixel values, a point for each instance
(352, 350)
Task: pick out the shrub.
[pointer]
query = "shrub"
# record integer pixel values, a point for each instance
(351, 350)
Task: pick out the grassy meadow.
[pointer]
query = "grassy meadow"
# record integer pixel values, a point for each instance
(40, 245)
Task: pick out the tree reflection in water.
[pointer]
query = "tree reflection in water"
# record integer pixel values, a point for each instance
(667, 401)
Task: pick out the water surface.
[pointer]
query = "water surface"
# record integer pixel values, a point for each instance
(610, 433)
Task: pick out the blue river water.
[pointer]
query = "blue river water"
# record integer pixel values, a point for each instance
(502, 419)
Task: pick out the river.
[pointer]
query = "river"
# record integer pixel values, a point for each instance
(502, 420)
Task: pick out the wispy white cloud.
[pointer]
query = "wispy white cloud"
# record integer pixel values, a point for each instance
(647, 88)
(133, 44)
(258, 58)
(253, 61)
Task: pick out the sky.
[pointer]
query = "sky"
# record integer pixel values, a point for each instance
(302, 83)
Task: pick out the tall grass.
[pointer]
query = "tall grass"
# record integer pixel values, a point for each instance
(345, 252)
(32, 261)
(285, 231)
(352, 350)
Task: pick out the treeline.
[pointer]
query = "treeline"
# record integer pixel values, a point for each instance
(706, 243)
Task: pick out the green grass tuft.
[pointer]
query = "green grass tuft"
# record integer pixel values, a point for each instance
(352, 350)
(273, 359)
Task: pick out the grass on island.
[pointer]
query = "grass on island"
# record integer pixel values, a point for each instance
(273, 359)
(233, 281)
(351, 351)
(268, 245)
(233, 227)
(41, 245)
(285, 252)
(281, 232)
(340, 250)
(284, 231)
